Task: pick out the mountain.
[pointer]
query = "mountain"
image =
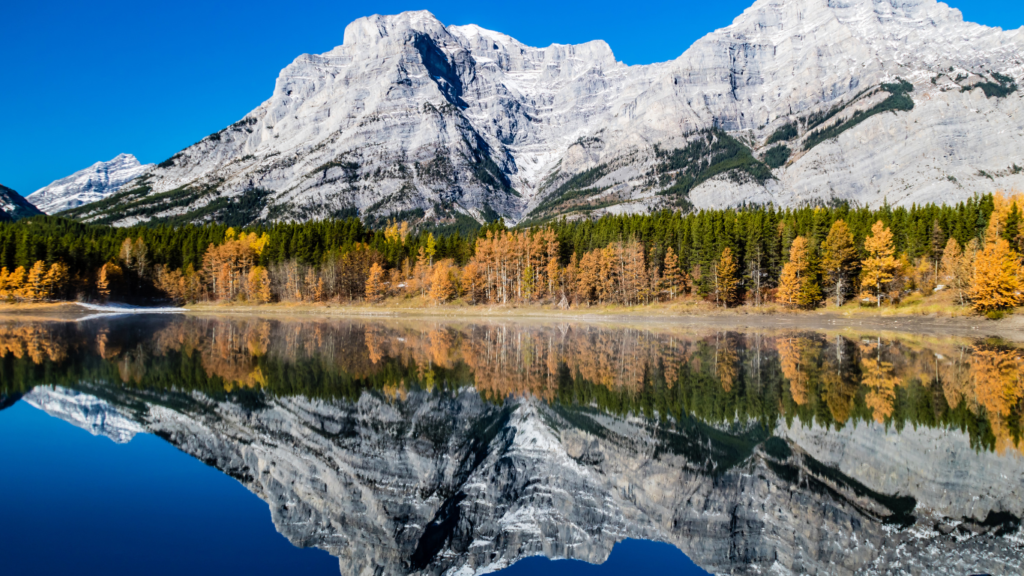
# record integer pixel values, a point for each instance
(89, 185)
(14, 207)
(797, 101)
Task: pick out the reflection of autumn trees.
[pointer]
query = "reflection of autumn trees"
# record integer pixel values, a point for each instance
(717, 377)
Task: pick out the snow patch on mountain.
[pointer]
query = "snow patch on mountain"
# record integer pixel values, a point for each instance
(89, 185)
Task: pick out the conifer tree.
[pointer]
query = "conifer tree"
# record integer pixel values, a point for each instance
(798, 286)
(375, 286)
(16, 283)
(35, 287)
(838, 257)
(56, 279)
(880, 264)
(259, 285)
(995, 284)
(671, 279)
(724, 277)
(441, 287)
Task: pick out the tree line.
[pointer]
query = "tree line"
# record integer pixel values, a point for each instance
(797, 257)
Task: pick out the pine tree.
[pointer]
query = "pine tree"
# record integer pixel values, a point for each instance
(995, 284)
(838, 257)
(880, 264)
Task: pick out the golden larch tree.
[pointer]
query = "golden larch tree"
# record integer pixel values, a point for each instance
(375, 286)
(725, 280)
(35, 286)
(798, 286)
(995, 284)
(441, 287)
(838, 255)
(671, 278)
(259, 285)
(881, 262)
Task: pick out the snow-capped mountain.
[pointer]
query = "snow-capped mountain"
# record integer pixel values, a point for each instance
(14, 207)
(796, 101)
(89, 185)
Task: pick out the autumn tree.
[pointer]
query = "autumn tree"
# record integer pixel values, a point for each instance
(880, 264)
(441, 287)
(838, 256)
(672, 277)
(108, 279)
(724, 278)
(258, 285)
(957, 268)
(35, 286)
(56, 279)
(995, 284)
(798, 286)
(376, 287)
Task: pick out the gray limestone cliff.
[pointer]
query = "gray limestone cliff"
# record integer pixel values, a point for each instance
(796, 101)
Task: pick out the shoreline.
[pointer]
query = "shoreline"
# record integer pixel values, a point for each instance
(690, 316)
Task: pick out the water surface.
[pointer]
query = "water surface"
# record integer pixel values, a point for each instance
(411, 446)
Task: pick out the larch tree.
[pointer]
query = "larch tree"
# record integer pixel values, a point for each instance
(957, 268)
(995, 284)
(671, 278)
(441, 287)
(56, 279)
(35, 287)
(16, 282)
(798, 286)
(881, 262)
(839, 254)
(724, 278)
(259, 285)
(375, 286)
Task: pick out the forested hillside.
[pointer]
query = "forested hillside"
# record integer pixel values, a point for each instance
(802, 258)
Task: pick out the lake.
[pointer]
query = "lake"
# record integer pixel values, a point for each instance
(169, 444)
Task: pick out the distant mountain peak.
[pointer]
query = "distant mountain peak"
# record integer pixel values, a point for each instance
(14, 207)
(88, 185)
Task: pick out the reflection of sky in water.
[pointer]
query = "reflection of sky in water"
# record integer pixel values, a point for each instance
(81, 504)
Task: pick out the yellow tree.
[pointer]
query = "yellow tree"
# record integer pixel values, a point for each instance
(5, 284)
(375, 286)
(441, 287)
(56, 278)
(107, 280)
(16, 283)
(798, 286)
(881, 261)
(671, 279)
(725, 278)
(957, 267)
(35, 287)
(838, 255)
(995, 285)
(259, 285)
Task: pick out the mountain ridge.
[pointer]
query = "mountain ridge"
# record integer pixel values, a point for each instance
(88, 185)
(409, 118)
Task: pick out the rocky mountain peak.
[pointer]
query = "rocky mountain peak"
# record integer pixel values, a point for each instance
(869, 100)
(89, 185)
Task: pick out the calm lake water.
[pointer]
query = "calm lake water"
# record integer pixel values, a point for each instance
(171, 444)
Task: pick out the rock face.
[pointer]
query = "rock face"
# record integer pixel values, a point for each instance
(873, 100)
(452, 484)
(85, 411)
(89, 185)
(14, 207)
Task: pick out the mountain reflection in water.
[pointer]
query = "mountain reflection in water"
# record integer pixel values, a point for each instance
(422, 446)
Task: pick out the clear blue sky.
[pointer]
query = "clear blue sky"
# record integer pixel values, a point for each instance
(85, 81)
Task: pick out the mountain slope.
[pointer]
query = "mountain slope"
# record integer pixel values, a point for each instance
(861, 100)
(89, 185)
(14, 207)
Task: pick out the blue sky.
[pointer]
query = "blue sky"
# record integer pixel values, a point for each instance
(85, 81)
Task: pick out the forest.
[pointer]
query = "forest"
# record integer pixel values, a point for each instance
(802, 258)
